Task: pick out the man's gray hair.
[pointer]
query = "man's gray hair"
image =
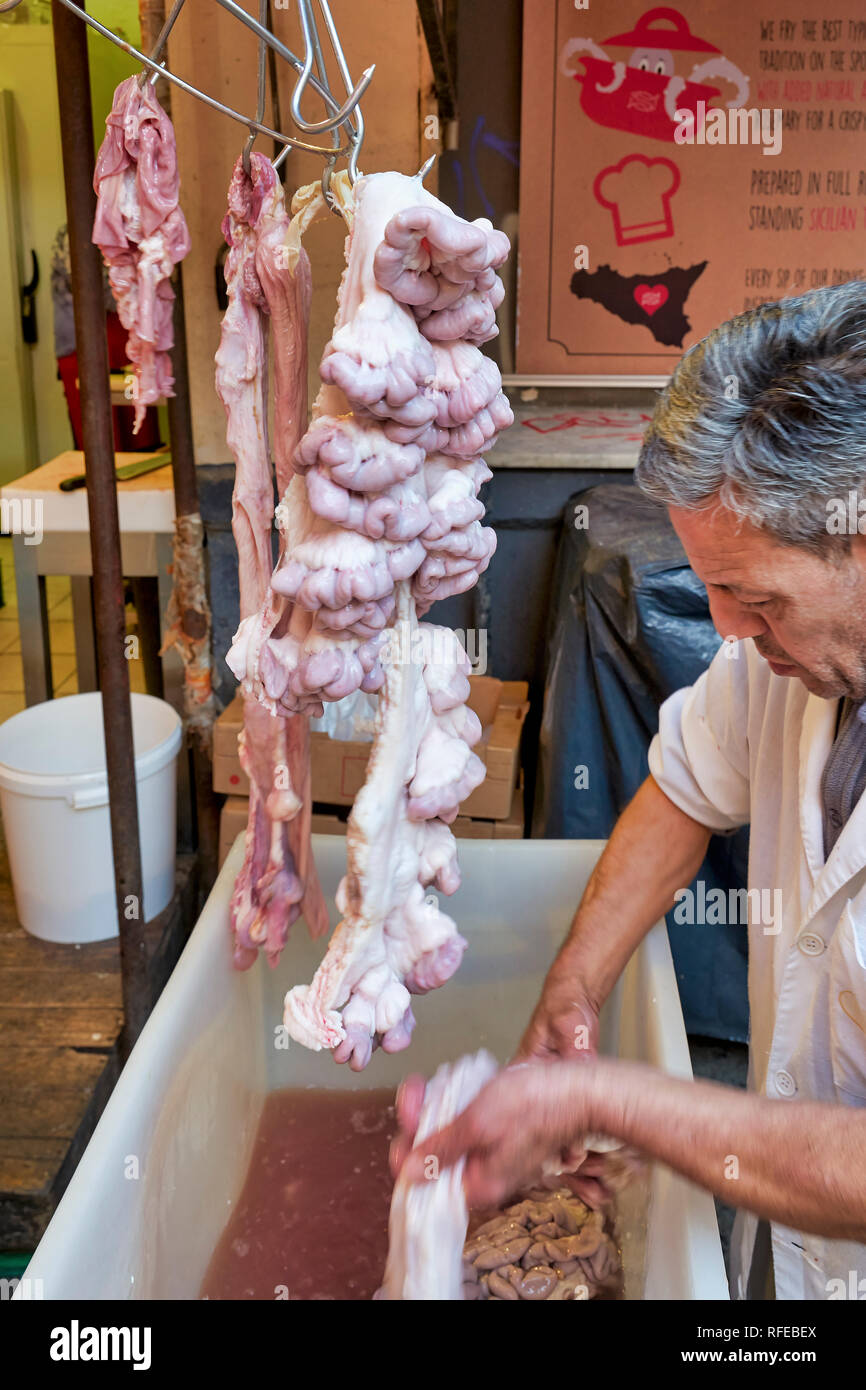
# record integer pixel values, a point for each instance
(767, 414)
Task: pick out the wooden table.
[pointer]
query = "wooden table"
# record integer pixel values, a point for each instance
(146, 514)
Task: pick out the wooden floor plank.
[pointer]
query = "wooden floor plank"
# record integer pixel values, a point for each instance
(60, 1018)
(84, 1026)
(57, 990)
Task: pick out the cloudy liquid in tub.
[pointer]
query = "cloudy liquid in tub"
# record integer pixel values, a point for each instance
(312, 1219)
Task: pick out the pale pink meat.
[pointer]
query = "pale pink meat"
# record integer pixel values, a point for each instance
(345, 553)
(278, 879)
(393, 941)
(141, 232)
(445, 268)
(381, 517)
(452, 487)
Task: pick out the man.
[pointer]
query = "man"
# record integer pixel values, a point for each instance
(758, 449)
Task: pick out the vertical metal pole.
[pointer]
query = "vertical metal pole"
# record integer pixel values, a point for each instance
(195, 624)
(179, 414)
(76, 131)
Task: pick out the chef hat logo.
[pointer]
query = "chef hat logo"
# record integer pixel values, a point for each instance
(637, 193)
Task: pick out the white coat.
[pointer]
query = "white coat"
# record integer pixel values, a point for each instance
(744, 745)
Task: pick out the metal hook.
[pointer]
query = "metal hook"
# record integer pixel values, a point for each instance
(280, 159)
(356, 135)
(345, 116)
(341, 112)
(328, 170)
(426, 167)
(326, 187)
(278, 135)
(161, 41)
(261, 93)
(312, 51)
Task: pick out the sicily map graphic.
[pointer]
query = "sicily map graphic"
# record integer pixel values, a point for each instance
(639, 83)
(656, 301)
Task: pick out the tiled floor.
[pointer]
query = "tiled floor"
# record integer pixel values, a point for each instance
(62, 639)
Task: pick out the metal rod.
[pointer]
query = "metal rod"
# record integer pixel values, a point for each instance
(180, 416)
(277, 154)
(76, 132)
(194, 91)
(161, 40)
(311, 36)
(356, 135)
(313, 54)
(306, 73)
(261, 88)
(186, 503)
(195, 622)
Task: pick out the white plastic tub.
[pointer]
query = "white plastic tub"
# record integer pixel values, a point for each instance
(157, 1182)
(54, 801)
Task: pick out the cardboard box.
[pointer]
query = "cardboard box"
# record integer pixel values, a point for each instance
(339, 767)
(464, 827)
(233, 822)
(502, 707)
(477, 828)
(228, 775)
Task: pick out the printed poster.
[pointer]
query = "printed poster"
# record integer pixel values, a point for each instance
(679, 165)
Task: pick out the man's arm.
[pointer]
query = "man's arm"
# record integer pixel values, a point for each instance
(801, 1163)
(654, 850)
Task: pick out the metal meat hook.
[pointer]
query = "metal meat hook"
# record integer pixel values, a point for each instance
(161, 40)
(261, 90)
(161, 71)
(341, 117)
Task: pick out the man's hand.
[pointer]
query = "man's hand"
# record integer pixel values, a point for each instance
(525, 1116)
(565, 1021)
(654, 850)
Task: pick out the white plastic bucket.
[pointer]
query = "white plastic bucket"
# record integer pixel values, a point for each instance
(54, 802)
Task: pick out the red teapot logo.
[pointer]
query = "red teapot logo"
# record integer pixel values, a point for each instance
(641, 94)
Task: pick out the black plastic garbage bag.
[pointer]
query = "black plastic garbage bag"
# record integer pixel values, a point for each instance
(630, 624)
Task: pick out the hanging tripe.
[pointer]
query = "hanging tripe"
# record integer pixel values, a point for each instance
(381, 519)
(141, 232)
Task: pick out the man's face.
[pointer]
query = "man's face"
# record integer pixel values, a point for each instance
(807, 615)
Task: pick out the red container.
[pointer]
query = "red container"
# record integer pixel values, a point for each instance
(638, 104)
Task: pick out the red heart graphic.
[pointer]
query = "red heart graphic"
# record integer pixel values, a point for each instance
(651, 297)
